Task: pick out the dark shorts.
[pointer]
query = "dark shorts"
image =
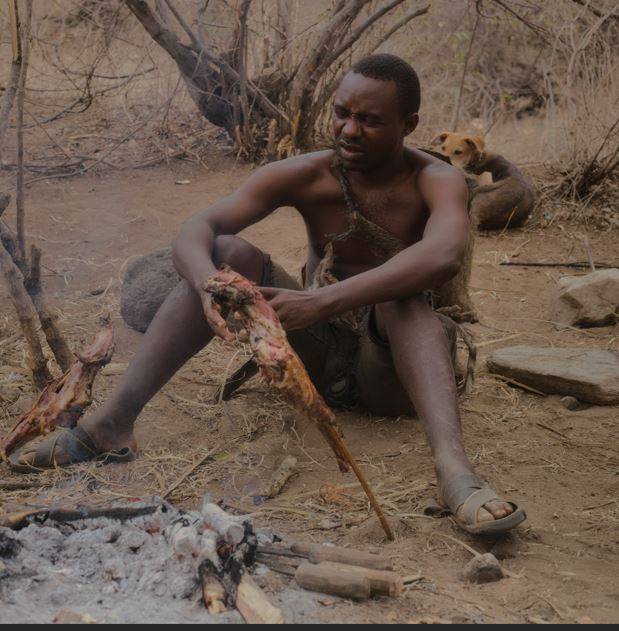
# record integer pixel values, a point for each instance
(349, 368)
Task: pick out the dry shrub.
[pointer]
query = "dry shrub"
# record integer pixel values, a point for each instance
(540, 81)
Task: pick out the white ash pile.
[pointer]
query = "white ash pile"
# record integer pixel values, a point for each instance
(145, 563)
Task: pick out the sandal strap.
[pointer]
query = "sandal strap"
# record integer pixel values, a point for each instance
(460, 489)
(474, 502)
(76, 443)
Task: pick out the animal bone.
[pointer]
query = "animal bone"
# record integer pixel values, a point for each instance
(64, 400)
(281, 366)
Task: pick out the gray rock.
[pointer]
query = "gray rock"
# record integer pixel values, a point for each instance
(483, 569)
(570, 403)
(591, 300)
(146, 285)
(587, 375)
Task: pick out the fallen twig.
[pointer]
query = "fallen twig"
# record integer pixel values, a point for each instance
(474, 552)
(19, 486)
(188, 472)
(578, 264)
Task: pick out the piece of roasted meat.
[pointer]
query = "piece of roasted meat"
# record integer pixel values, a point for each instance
(64, 400)
(280, 365)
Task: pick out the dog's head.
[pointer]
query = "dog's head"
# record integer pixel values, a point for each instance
(461, 149)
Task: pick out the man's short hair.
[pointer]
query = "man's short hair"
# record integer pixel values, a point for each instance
(385, 67)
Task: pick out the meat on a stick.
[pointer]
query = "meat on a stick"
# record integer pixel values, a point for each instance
(64, 400)
(281, 366)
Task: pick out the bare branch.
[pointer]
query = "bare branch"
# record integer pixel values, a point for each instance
(11, 86)
(358, 32)
(409, 17)
(191, 64)
(195, 42)
(541, 32)
(24, 37)
(48, 319)
(27, 316)
(589, 6)
(242, 60)
(456, 117)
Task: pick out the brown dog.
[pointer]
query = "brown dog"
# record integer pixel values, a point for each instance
(508, 201)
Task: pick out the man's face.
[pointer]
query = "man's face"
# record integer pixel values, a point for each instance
(367, 122)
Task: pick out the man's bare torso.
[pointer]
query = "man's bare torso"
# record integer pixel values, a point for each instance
(396, 206)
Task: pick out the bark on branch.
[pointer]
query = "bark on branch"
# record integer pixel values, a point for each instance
(48, 319)
(27, 315)
(11, 86)
(362, 28)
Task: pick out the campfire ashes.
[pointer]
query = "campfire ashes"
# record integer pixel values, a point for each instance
(143, 569)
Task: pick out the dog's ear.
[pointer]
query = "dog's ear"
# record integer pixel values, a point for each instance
(440, 138)
(476, 143)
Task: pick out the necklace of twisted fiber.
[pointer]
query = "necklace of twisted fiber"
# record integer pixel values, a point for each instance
(383, 246)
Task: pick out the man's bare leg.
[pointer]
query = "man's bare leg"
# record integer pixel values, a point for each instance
(177, 332)
(420, 350)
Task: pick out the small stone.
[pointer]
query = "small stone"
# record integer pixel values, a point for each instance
(484, 568)
(570, 403)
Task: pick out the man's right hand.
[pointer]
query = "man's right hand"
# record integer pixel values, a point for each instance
(213, 316)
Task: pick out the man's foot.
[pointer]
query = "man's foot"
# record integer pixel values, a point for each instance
(93, 439)
(476, 507)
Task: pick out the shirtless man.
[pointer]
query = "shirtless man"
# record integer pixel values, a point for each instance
(399, 351)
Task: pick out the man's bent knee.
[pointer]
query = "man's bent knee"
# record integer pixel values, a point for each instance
(239, 254)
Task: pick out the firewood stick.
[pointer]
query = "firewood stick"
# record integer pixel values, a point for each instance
(282, 368)
(382, 583)
(27, 316)
(254, 606)
(228, 526)
(345, 581)
(63, 515)
(317, 553)
(213, 591)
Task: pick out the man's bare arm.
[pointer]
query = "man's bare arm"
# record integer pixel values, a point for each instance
(263, 192)
(266, 190)
(426, 264)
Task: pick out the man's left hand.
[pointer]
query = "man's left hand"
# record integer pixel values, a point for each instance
(295, 309)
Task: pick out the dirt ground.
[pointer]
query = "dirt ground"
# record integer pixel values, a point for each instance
(561, 465)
